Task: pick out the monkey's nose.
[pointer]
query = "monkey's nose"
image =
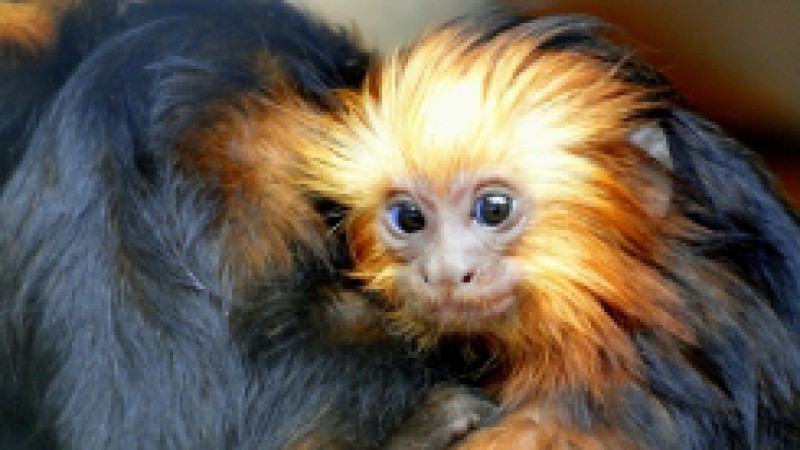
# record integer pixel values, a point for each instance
(466, 278)
(447, 275)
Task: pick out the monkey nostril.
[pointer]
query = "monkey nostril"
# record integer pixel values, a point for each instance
(467, 278)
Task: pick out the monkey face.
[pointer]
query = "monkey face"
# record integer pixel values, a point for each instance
(512, 193)
(455, 242)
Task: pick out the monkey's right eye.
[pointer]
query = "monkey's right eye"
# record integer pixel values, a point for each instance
(406, 217)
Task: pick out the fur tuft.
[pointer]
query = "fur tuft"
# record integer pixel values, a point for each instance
(457, 103)
(637, 327)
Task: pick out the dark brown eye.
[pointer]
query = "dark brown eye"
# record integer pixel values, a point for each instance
(492, 209)
(406, 217)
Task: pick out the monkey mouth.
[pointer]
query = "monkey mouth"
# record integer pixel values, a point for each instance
(458, 313)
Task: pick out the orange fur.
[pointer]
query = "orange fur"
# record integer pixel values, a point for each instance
(531, 428)
(246, 146)
(555, 126)
(25, 26)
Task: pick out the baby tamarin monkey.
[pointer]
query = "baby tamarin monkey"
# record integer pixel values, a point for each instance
(529, 186)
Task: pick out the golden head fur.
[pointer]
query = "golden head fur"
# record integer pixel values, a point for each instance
(556, 125)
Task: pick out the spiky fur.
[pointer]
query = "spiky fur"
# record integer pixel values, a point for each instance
(623, 312)
(543, 121)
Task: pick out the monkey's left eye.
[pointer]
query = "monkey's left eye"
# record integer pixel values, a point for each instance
(493, 209)
(406, 217)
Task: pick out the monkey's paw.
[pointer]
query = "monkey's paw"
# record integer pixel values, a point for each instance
(448, 415)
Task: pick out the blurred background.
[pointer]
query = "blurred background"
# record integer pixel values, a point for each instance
(736, 62)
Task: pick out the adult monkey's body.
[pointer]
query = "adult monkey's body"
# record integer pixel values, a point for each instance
(161, 283)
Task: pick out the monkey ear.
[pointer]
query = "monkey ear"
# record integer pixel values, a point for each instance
(657, 191)
(652, 139)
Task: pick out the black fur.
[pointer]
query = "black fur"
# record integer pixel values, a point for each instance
(114, 327)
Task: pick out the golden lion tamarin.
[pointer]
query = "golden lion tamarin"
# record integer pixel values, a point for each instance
(530, 187)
